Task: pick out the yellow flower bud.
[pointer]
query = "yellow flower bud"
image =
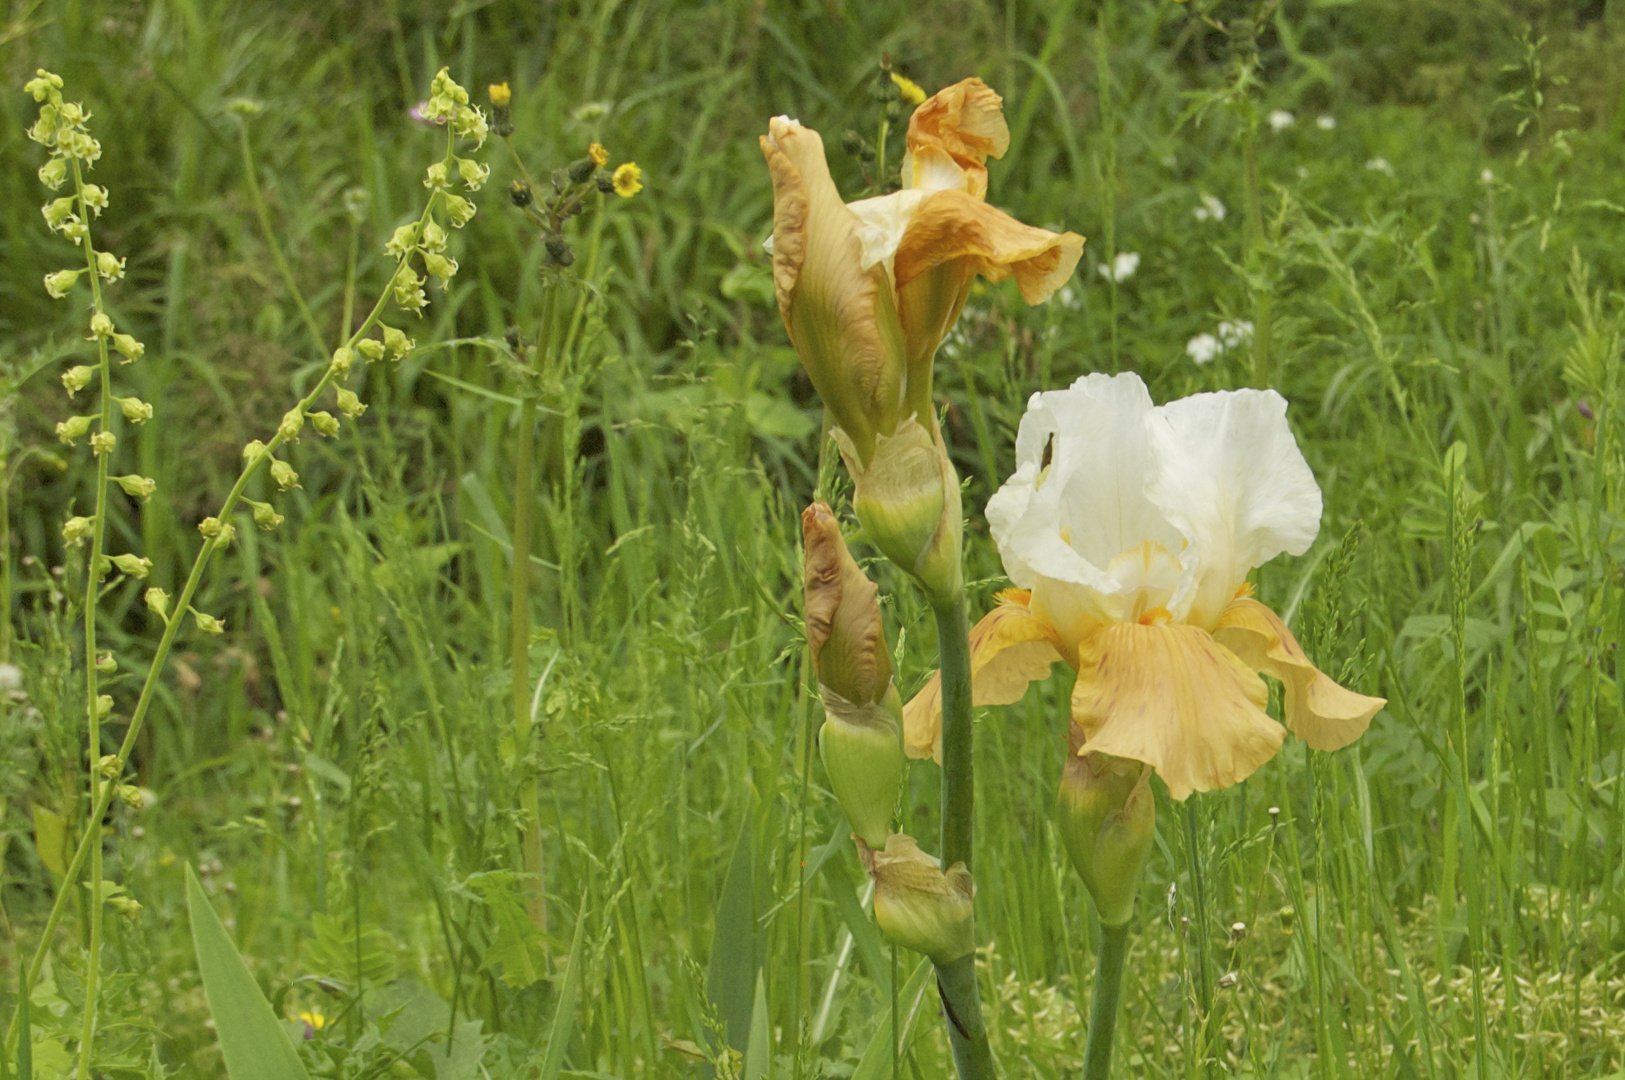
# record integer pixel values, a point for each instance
(109, 266)
(349, 404)
(1107, 819)
(72, 428)
(600, 156)
(75, 529)
(132, 565)
(283, 474)
(137, 487)
(61, 282)
(499, 94)
(910, 89)
(135, 410)
(917, 905)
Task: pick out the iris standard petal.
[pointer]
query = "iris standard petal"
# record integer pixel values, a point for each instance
(1228, 473)
(1009, 649)
(1318, 710)
(1169, 695)
(965, 121)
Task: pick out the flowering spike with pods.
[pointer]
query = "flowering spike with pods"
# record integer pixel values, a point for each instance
(62, 128)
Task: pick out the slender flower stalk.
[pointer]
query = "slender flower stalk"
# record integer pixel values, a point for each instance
(74, 145)
(582, 183)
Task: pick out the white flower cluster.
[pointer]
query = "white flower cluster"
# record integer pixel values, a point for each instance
(1204, 348)
(1121, 268)
(1208, 208)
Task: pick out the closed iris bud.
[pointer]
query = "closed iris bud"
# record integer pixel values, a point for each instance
(917, 905)
(325, 423)
(349, 404)
(1106, 816)
(77, 378)
(519, 193)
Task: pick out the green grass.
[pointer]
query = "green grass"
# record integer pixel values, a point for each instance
(1444, 899)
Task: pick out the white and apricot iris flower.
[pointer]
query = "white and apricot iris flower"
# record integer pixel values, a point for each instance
(869, 289)
(1129, 530)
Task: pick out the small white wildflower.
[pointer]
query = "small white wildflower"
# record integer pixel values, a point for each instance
(1068, 297)
(1203, 348)
(11, 678)
(1232, 334)
(1326, 121)
(1210, 209)
(1122, 267)
(1280, 120)
(1380, 164)
(1486, 177)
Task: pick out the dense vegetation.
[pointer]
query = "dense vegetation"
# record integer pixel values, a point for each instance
(1434, 251)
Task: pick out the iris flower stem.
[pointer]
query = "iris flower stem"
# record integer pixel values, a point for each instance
(956, 981)
(1097, 1054)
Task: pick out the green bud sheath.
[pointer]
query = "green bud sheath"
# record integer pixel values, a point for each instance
(1107, 820)
(863, 755)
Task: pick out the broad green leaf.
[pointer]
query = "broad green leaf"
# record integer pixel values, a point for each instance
(564, 1015)
(759, 1051)
(516, 951)
(252, 1040)
(731, 974)
(877, 1056)
(51, 839)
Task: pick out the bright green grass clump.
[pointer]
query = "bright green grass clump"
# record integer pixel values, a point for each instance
(1437, 245)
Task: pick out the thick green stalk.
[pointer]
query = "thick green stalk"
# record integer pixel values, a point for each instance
(93, 580)
(957, 981)
(103, 796)
(1097, 1054)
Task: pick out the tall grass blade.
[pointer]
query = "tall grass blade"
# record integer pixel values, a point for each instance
(564, 1015)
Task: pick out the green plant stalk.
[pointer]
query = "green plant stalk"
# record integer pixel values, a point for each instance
(1255, 252)
(956, 982)
(264, 215)
(519, 626)
(93, 580)
(1097, 1054)
(103, 796)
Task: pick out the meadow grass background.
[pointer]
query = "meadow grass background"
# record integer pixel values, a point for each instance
(1442, 256)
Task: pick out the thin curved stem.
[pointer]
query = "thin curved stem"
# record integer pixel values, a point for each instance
(264, 215)
(1097, 1054)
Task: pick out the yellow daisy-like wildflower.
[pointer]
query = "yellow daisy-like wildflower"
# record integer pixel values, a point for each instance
(600, 156)
(1129, 529)
(628, 180)
(911, 89)
(500, 95)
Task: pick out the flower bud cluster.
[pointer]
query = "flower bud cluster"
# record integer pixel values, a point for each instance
(62, 128)
(448, 103)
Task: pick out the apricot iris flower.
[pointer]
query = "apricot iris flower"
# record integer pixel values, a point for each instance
(1129, 530)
